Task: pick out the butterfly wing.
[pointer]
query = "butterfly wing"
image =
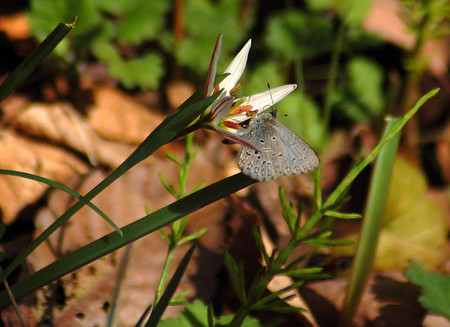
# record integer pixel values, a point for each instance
(280, 151)
(266, 163)
(300, 157)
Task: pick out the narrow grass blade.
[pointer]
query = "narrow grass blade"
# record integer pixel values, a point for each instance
(61, 187)
(131, 232)
(163, 303)
(34, 59)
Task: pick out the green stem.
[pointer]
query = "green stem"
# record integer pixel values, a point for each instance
(371, 227)
(239, 317)
(165, 273)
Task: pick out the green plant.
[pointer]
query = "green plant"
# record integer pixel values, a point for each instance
(436, 289)
(132, 37)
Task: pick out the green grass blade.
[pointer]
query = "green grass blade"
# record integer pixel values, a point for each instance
(371, 226)
(35, 58)
(131, 232)
(62, 188)
(163, 303)
(164, 133)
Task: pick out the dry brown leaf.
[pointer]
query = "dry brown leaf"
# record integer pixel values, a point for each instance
(15, 26)
(178, 92)
(435, 321)
(117, 116)
(388, 300)
(60, 124)
(25, 155)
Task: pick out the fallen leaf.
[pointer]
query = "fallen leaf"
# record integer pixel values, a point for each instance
(25, 155)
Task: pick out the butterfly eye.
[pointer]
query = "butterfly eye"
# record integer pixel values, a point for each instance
(245, 123)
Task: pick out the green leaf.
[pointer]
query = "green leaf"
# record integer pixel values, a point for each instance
(144, 72)
(288, 211)
(142, 20)
(436, 289)
(195, 314)
(340, 215)
(45, 14)
(327, 243)
(308, 273)
(179, 299)
(363, 96)
(352, 11)
(293, 35)
(236, 272)
(167, 186)
(204, 21)
(192, 236)
(256, 80)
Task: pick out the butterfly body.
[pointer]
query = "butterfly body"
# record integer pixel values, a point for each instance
(279, 151)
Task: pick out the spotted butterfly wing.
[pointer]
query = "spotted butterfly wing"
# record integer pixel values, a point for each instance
(279, 152)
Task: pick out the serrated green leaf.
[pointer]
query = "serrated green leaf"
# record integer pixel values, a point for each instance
(143, 72)
(436, 289)
(142, 20)
(45, 14)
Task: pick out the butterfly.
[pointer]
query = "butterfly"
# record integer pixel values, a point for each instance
(278, 151)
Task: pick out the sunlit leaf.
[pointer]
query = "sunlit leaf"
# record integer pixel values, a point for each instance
(436, 289)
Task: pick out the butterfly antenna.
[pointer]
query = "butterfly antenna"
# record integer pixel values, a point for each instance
(274, 111)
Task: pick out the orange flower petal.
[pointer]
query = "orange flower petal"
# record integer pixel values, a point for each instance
(231, 124)
(241, 109)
